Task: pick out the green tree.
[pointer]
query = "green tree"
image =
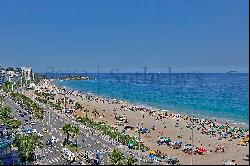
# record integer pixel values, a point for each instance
(13, 123)
(5, 112)
(78, 106)
(7, 86)
(130, 160)
(1, 100)
(117, 158)
(75, 132)
(26, 147)
(66, 130)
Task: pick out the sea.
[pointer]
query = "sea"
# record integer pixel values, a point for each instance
(222, 96)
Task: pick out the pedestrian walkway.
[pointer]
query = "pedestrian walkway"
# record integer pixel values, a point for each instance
(53, 160)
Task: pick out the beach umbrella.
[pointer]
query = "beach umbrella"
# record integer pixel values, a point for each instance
(224, 134)
(144, 130)
(168, 140)
(178, 142)
(222, 127)
(151, 156)
(130, 144)
(202, 150)
(246, 139)
(152, 152)
(161, 138)
(230, 130)
(189, 147)
(212, 130)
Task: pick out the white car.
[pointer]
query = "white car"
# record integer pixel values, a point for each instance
(33, 123)
(34, 131)
(40, 135)
(54, 139)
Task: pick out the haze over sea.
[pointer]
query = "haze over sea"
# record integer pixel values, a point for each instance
(220, 96)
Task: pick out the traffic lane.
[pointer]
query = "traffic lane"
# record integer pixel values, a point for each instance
(54, 122)
(39, 127)
(93, 143)
(90, 144)
(16, 107)
(56, 147)
(55, 150)
(87, 132)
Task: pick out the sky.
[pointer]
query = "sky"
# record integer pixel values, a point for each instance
(186, 35)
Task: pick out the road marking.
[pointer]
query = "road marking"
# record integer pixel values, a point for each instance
(56, 159)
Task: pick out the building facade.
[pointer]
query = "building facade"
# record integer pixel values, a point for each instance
(27, 73)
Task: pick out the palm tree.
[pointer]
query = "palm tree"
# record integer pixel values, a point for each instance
(1, 100)
(5, 112)
(66, 130)
(130, 160)
(117, 157)
(13, 123)
(7, 85)
(78, 106)
(76, 131)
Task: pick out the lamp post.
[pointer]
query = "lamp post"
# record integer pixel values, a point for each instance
(48, 109)
(192, 138)
(139, 143)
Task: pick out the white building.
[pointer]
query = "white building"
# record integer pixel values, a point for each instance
(2, 75)
(27, 73)
(9, 75)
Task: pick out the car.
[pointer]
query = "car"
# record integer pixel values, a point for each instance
(82, 163)
(27, 123)
(22, 115)
(54, 139)
(40, 135)
(19, 133)
(49, 143)
(33, 123)
(45, 130)
(25, 113)
(29, 131)
(40, 157)
(34, 131)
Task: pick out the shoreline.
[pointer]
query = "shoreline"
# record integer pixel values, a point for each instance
(231, 122)
(158, 123)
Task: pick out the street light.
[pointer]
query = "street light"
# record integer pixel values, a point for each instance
(192, 128)
(139, 143)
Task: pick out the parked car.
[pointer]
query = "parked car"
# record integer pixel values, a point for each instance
(40, 135)
(45, 130)
(29, 131)
(49, 143)
(34, 131)
(33, 123)
(54, 139)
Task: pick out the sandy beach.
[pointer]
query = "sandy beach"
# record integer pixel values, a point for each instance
(167, 124)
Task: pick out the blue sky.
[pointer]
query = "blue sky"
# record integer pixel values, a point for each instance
(186, 35)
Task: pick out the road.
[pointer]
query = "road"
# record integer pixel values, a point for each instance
(92, 142)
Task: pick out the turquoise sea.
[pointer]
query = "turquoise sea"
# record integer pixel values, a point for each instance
(220, 96)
